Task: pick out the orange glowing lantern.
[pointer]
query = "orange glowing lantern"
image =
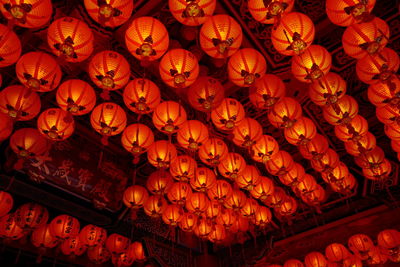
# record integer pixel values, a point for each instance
(19, 103)
(192, 134)
(236, 201)
(56, 124)
(389, 115)
(280, 163)
(232, 166)
(205, 94)
(203, 228)
(172, 215)
(276, 198)
(220, 36)
(327, 90)
(380, 172)
(154, 206)
(38, 71)
(27, 13)
(381, 94)
(315, 259)
(338, 173)
(360, 244)
(269, 12)
(213, 151)
(226, 218)
(395, 145)
(312, 64)
(342, 112)
(179, 68)
(294, 34)
(137, 251)
(372, 159)
(213, 210)
(266, 91)
(240, 225)
(99, 255)
(92, 236)
(307, 185)
(228, 114)
(135, 196)
(137, 138)
(262, 216)
(389, 239)
(352, 130)
(30, 216)
(287, 208)
(64, 227)
(71, 39)
(264, 149)
(218, 234)
(315, 197)
(294, 176)
(192, 12)
(345, 13)
(263, 189)
(367, 38)
(159, 182)
(247, 132)
(221, 191)
(161, 153)
(117, 244)
(179, 193)
(6, 126)
(376, 257)
(28, 143)
(392, 132)
(197, 203)
(293, 263)
(147, 38)
(42, 238)
(169, 116)
(364, 144)
(183, 168)
(188, 222)
(327, 162)
(249, 208)
(203, 180)
(345, 185)
(110, 14)
(76, 96)
(10, 47)
(336, 252)
(9, 228)
(302, 132)
(246, 66)
(285, 113)
(6, 203)
(141, 96)
(249, 178)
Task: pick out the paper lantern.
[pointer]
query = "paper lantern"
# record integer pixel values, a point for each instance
(344, 186)
(269, 12)
(345, 13)
(338, 173)
(188, 222)
(352, 130)
(42, 238)
(307, 185)
(226, 218)
(6, 126)
(203, 180)
(218, 234)
(56, 124)
(137, 138)
(367, 38)
(395, 145)
(6, 203)
(213, 210)
(352, 261)
(342, 112)
(376, 257)
(205, 94)
(27, 13)
(327, 90)
(30, 216)
(267, 90)
(192, 134)
(381, 94)
(99, 255)
(262, 216)
(9, 228)
(232, 165)
(336, 252)
(110, 14)
(19, 103)
(213, 151)
(276, 198)
(249, 208)
(92, 236)
(154, 206)
(389, 238)
(179, 68)
(285, 113)
(360, 244)
(192, 13)
(372, 159)
(172, 215)
(108, 119)
(10, 47)
(388, 115)
(135, 196)
(312, 64)
(302, 132)
(197, 203)
(117, 244)
(293, 263)
(287, 208)
(64, 226)
(169, 116)
(161, 153)
(294, 33)
(203, 228)
(241, 225)
(220, 36)
(159, 182)
(141, 96)
(380, 172)
(315, 259)
(28, 143)
(236, 200)
(221, 191)
(183, 168)
(179, 193)
(138, 251)
(392, 132)
(280, 163)
(246, 66)
(109, 70)
(228, 114)
(264, 149)
(71, 39)
(363, 145)
(38, 71)
(294, 176)
(263, 189)
(327, 162)
(249, 178)
(247, 132)
(315, 197)
(126, 258)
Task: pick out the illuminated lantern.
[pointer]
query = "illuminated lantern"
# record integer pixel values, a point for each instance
(389, 239)
(293, 263)
(38, 71)
(269, 12)
(280, 163)
(327, 90)
(336, 252)
(169, 116)
(183, 168)
(203, 228)
(42, 238)
(315, 197)
(312, 64)
(249, 208)
(135, 196)
(64, 226)
(218, 234)
(28, 143)
(126, 258)
(213, 210)
(172, 215)
(307, 185)
(220, 36)
(380, 172)
(159, 182)
(345, 185)
(363, 145)
(294, 34)
(395, 145)
(372, 159)
(192, 12)
(6, 203)
(205, 94)
(213, 151)
(221, 191)
(98, 255)
(263, 189)
(338, 173)
(293, 176)
(228, 114)
(246, 66)
(110, 14)
(247, 132)
(6, 126)
(197, 203)
(56, 124)
(240, 225)
(249, 178)
(117, 244)
(179, 68)
(345, 12)
(376, 257)
(9, 228)
(109, 70)
(285, 113)
(30, 216)
(262, 216)
(381, 94)
(266, 91)
(161, 153)
(92, 236)
(342, 112)
(302, 132)
(19, 103)
(392, 132)
(203, 180)
(138, 251)
(188, 222)
(352, 130)
(367, 38)
(192, 134)
(352, 261)
(137, 138)
(236, 200)
(287, 208)
(27, 13)
(315, 259)
(155, 206)
(232, 165)
(327, 162)
(141, 96)
(72, 247)
(10, 47)
(179, 193)
(388, 115)
(276, 198)
(226, 218)
(264, 149)
(360, 244)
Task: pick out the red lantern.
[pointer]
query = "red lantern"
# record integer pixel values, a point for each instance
(169, 116)
(42, 238)
(19, 103)
(213, 151)
(302, 132)
(381, 94)
(293, 263)
(240, 225)
(315, 259)
(192, 134)
(179, 193)
(135, 196)
(232, 166)
(236, 200)
(159, 182)
(9, 228)
(327, 90)
(267, 90)
(183, 168)
(155, 206)
(352, 130)
(367, 38)
(92, 236)
(342, 112)
(141, 96)
(192, 13)
(360, 244)
(228, 114)
(247, 133)
(172, 215)
(285, 113)
(110, 14)
(213, 210)
(28, 143)
(372, 159)
(276, 198)
(312, 64)
(388, 115)
(263, 189)
(345, 185)
(345, 12)
(352, 261)
(226, 218)
(307, 185)
(376, 257)
(161, 153)
(64, 226)
(269, 12)
(287, 208)
(6, 126)
(27, 13)
(262, 216)
(218, 234)
(56, 124)
(30, 216)
(264, 149)
(338, 173)
(108, 119)
(6, 203)
(246, 66)
(389, 239)
(205, 94)
(72, 247)
(220, 36)
(249, 208)
(38, 71)
(138, 251)
(109, 70)
(379, 172)
(249, 178)
(280, 163)
(117, 244)
(315, 197)
(188, 222)
(99, 255)
(294, 176)
(294, 33)
(221, 191)
(10, 47)
(315, 148)
(363, 145)
(203, 180)
(197, 203)
(137, 138)
(336, 252)
(327, 162)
